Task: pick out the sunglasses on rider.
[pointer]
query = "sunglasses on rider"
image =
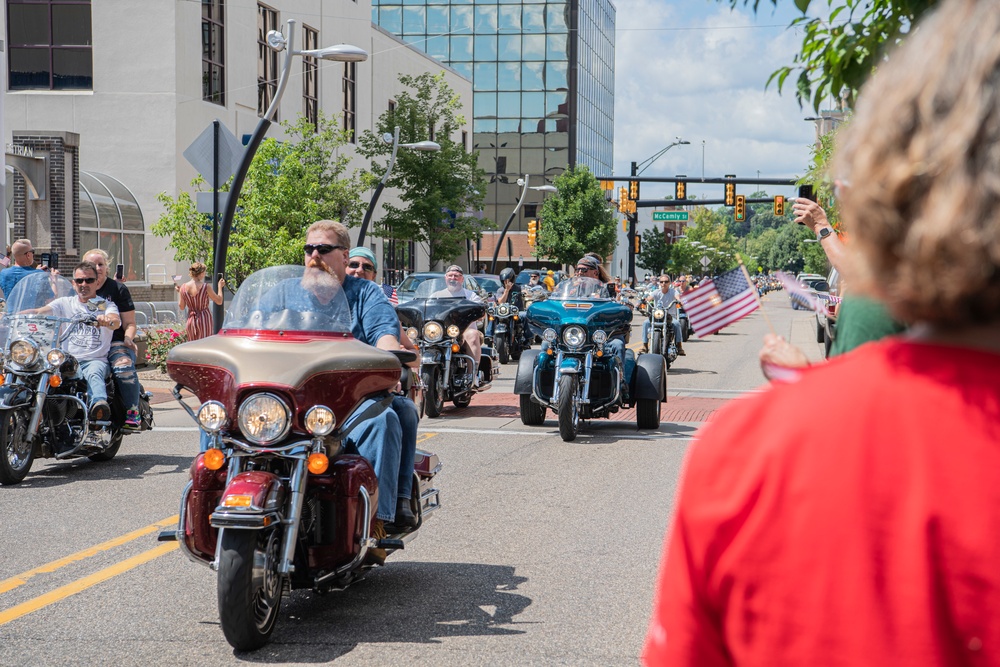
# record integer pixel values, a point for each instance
(585, 268)
(80, 281)
(324, 248)
(367, 267)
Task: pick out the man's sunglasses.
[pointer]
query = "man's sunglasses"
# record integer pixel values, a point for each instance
(585, 268)
(366, 267)
(80, 281)
(324, 248)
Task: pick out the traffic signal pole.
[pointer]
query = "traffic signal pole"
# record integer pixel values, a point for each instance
(633, 231)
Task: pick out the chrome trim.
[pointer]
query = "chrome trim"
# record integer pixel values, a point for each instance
(249, 520)
(296, 490)
(366, 542)
(36, 415)
(588, 366)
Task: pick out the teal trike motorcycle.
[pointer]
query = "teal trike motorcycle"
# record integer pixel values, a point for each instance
(577, 373)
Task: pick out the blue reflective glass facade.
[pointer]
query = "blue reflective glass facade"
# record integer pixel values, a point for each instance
(542, 99)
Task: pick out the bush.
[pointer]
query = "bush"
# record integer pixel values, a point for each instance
(158, 343)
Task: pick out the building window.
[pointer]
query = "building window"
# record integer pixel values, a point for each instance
(267, 60)
(392, 106)
(350, 103)
(213, 52)
(310, 77)
(50, 45)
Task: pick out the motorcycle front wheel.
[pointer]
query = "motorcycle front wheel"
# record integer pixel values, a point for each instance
(18, 452)
(569, 414)
(249, 587)
(433, 391)
(656, 343)
(503, 349)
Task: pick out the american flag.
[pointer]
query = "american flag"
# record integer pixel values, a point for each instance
(390, 293)
(806, 298)
(718, 303)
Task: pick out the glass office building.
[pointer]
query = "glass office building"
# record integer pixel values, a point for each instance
(543, 99)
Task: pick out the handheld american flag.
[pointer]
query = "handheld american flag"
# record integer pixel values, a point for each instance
(390, 293)
(718, 303)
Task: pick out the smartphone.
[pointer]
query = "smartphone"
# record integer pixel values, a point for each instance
(806, 192)
(120, 272)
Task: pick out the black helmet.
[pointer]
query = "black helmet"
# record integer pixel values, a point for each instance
(507, 274)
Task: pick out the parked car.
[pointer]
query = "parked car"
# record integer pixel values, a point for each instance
(409, 285)
(826, 321)
(815, 283)
(489, 282)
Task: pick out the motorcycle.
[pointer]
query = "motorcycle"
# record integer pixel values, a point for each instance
(508, 331)
(686, 329)
(434, 322)
(661, 333)
(43, 411)
(575, 374)
(275, 504)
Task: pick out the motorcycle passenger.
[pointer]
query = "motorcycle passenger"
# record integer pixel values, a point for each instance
(665, 298)
(454, 279)
(122, 354)
(362, 264)
(87, 343)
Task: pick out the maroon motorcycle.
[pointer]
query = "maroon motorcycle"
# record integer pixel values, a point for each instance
(274, 503)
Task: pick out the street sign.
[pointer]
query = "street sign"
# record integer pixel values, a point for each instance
(670, 216)
(200, 154)
(705, 261)
(204, 203)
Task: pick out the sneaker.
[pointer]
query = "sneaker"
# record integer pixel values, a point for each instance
(132, 422)
(681, 352)
(100, 411)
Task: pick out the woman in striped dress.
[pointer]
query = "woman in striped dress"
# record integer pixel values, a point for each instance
(195, 295)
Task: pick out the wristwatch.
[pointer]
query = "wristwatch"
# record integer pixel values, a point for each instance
(823, 233)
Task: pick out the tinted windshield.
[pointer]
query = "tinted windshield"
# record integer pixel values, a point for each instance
(580, 288)
(413, 282)
(288, 298)
(438, 288)
(37, 289)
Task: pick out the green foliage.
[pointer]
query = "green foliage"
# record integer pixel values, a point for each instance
(431, 186)
(158, 343)
(290, 185)
(819, 175)
(840, 53)
(783, 249)
(655, 252)
(576, 219)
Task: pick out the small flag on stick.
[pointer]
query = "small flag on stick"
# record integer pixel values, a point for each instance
(390, 293)
(719, 302)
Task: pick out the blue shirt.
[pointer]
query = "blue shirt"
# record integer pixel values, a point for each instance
(11, 276)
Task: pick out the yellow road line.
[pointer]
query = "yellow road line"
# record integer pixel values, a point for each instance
(17, 580)
(83, 584)
(420, 438)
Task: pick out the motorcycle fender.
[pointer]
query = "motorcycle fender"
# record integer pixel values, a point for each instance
(206, 489)
(500, 328)
(252, 500)
(571, 366)
(15, 396)
(650, 377)
(430, 357)
(525, 372)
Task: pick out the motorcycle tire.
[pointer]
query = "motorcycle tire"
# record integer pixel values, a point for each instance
(515, 353)
(249, 602)
(16, 454)
(117, 435)
(647, 413)
(462, 401)
(685, 332)
(502, 348)
(532, 414)
(656, 344)
(569, 411)
(433, 392)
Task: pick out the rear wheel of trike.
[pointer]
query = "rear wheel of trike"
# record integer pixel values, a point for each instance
(569, 415)
(18, 452)
(249, 586)
(647, 413)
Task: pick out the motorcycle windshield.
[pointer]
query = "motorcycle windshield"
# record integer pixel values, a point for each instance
(578, 288)
(290, 298)
(438, 288)
(37, 289)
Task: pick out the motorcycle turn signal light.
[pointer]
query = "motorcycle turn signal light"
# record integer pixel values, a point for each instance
(318, 463)
(455, 347)
(600, 353)
(55, 381)
(214, 459)
(550, 351)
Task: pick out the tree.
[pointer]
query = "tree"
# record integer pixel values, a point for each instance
(840, 52)
(655, 253)
(576, 219)
(441, 192)
(290, 185)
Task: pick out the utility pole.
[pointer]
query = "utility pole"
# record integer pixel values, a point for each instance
(633, 232)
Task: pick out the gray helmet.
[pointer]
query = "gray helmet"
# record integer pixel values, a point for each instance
(507, 274)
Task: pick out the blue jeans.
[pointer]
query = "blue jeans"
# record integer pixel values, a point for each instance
(379, 440)
(95, 372)
(408, 416)
(122, 360)
(678, 337)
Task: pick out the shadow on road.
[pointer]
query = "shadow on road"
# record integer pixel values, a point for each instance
(673, 370)
(405, 602)
(49, 473)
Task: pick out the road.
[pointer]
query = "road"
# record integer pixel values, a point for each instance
(545, 552)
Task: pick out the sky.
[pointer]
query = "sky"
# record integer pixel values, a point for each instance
(697, 70)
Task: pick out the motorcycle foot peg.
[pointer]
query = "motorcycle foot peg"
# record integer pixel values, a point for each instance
(388, 543)
(167, 536)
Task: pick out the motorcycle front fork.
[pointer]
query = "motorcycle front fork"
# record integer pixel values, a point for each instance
(588, 365)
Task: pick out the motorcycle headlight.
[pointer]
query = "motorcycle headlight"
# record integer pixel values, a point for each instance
(600, 337)
(264, 419)
(23, 352)
(549, 335)
(55, 357)
(412, 334)
(433, 331)
(212, 416)
(658, 314)
(504, 309)
(513, 310)
(320, 420)
(453, 331)
(574, 336)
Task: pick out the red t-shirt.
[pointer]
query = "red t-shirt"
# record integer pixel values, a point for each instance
(851, 517)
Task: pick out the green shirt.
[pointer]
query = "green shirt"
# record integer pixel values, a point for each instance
(862, 320)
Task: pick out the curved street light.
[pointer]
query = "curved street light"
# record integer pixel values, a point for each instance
(279, 42)
(648, 162)
(503, 233)
(426, 146)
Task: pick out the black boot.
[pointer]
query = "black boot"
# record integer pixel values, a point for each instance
(404, 515)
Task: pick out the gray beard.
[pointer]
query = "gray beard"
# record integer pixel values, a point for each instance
(320, 280)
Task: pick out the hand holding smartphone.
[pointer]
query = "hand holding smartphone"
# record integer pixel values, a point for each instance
(120, 272)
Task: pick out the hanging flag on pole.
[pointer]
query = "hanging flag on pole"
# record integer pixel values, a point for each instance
(390, 293)
(719, 302)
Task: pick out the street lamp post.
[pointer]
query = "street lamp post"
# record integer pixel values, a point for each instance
(428, 146)
(648, 162)
(523, 182)
(277, 42)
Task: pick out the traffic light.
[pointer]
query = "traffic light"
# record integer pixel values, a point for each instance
(638, 243)
(680, 189)
(532, 232)
(740, 212)
(624, 225)
(622, 200)
(633, 190)
(779, 205)
(730, 191)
